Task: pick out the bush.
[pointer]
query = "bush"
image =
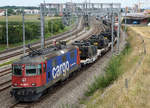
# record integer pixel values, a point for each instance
(56, 24)
(32, 30)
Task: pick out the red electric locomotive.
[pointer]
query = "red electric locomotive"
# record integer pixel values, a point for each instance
(33, 74)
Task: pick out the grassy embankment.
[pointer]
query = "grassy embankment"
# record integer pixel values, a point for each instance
(30, 18)
(129, 80)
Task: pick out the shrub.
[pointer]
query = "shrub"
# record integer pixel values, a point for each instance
(56, 24)
(32, 30)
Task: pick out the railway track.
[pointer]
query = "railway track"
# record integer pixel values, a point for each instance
(8, 70)
(56, 87)
(5, 72)
(18, 51)
(5, 85)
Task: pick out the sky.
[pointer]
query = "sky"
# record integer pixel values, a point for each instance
(144, 3)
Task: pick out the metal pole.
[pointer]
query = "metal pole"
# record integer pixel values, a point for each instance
(7, 29)
(42, 28)
(89, 4)
(125, 19)
(49, 10)
(125, 29)
(44, 8)
(118, 33)
(86, 15)
(112, 31)
(23, 33)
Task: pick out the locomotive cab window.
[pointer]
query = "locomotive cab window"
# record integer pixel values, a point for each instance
(31, 70)
(17, 69)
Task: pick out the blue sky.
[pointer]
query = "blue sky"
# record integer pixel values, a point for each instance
(37, 2)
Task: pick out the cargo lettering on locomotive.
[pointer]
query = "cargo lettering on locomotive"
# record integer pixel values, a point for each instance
(60, 69)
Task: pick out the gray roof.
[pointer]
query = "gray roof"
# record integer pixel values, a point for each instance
(136, 16)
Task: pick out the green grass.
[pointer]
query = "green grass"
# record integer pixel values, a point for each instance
(112, 72)
(2, 47)
(7, 63)
(28, 18)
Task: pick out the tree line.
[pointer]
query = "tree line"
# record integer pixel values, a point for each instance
(19, 7)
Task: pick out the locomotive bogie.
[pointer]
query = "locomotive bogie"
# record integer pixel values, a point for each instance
(27, 94)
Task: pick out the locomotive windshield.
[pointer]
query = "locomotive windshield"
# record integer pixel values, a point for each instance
(17, 69)
(33, 70)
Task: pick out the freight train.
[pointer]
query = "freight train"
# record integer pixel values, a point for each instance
(33, 74)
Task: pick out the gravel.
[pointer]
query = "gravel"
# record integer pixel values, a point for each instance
(5, 99)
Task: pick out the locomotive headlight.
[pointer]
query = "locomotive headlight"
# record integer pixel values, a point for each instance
(33, 84)
(23, 80)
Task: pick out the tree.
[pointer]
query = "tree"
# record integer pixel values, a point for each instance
(10, 12)
(18, 12)
(57, 25)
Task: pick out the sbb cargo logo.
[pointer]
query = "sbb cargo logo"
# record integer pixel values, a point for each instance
(60, 69)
